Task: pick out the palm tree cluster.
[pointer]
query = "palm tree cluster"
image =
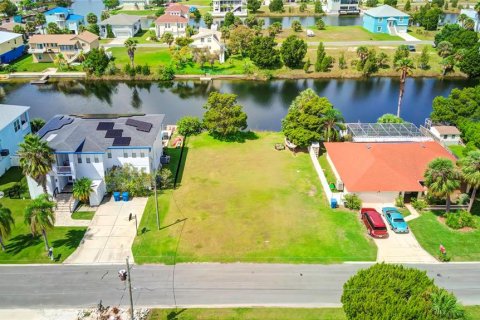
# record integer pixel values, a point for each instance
(82, 188)
(442, 177)
(40, 216)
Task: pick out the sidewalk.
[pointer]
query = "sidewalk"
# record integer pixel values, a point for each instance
(110, 234)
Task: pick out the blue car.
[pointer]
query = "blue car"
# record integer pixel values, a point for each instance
(395, 220)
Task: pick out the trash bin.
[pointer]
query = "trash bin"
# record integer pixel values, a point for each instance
(333, 203)
(125, 196)
(116, 196)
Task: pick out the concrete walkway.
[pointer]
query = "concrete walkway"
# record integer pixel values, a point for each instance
(407, 37)
(110, 235)
(400, 248)
(413, 213)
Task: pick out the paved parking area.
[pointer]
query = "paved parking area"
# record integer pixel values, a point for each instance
(400, 248)
(110, 235)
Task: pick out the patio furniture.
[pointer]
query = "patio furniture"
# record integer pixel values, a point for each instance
(116, 196)
(125, 196)
(279, 146)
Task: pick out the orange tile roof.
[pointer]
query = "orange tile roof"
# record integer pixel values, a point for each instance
(177, 7)
(367, 167)
(166, 18)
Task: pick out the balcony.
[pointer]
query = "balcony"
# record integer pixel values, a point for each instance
(63, 170)
(37, 50)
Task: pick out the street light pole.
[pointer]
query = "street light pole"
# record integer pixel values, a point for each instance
(130, 289)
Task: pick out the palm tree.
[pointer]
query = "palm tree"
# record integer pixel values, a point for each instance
(60, 60)
(39, 216)
(36, 159)
(362, 53)
(131, 45)
(470, 168)
(81, 56)
(36, 124)
(447, 64)
(82, 189)
(6, 222)
(445, 305)
(441, 179)
(40, 20)
(469, 24)
(333, 120)
(444, 49)
(462, 18)
(405, 66)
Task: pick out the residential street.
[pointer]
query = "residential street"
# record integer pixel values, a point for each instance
(63, 286)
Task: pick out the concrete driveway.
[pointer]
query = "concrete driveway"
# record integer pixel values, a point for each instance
(110, 235)
(399, 248)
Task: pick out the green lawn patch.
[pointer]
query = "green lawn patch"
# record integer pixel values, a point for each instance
(473, 312)
(460, 245)
(149, 12)
(249, 313)
(421, 34)
(26, 64)
(21, 247)
(457, 150)
(196, 2)
(83, 215)
(248, 202)
(342, 33)
(12, 177)
(404, 211)
(327, 169)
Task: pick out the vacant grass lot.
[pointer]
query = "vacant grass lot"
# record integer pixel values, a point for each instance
(26, 64)
(248, 202)
(338, 34)
(421, 34)
(430, 233)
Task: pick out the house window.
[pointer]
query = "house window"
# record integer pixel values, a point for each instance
(167, 25)
(453, 136)
(379, 29)
(95, 159)
(202, 40)
(142, 155)
(125, 154)
(109, 155)
(445, 136)
(400, 19)
(380, 19)
(134, 154)
(16, 125)
(87, 159)
(209, 39)
(79, 158)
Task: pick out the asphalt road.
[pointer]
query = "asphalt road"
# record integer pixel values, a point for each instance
(204, 285)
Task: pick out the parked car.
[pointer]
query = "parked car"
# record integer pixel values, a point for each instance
(374, 223)
(412, 48)
(395, 219)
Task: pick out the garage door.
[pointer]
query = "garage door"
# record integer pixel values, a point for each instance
(123, 34)
(378, 197)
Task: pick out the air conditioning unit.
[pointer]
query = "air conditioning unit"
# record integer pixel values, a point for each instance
(339, 185)
(4, 152)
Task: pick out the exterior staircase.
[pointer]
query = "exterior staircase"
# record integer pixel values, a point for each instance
(63, 214)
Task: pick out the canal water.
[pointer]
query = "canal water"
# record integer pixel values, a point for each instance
(266, 102)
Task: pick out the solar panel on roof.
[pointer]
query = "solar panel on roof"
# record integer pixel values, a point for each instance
(54, 124)
(115, 133)
(121, 141)
(132, 122)
(140, 125)
(105, 126)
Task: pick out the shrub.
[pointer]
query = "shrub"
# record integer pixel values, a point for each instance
(166, 178)
(188, 126)
(419, 204)
(146, 70)
(460, 220)
(352, 201)
(463, 199)
(399, 201)
(166, 73)
(130, 179)
(296, 26)
(320, 24)
(388, 291)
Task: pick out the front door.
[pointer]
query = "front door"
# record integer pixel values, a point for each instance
(390, 23)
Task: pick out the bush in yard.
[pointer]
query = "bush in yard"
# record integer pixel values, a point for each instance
(296, 26)
(82, 188)
(276, 6)
(293, 51)
(189, 126)
(320, 24)
(399, 201)
(263, 53)
(353, 202)
(419, 204)
(166, 179)
(166, 73)
(224, 116)
(146, 70)
(130, 179)
(395, 292)
(460, 220)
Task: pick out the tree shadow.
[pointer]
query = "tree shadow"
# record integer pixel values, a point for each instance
(21, 242)
(71, 241)
(173, 315)
(177, 163)
(240, 137)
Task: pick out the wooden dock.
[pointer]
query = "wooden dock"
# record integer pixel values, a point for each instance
(42, 80)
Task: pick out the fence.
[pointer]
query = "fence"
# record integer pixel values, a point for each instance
(323, 180)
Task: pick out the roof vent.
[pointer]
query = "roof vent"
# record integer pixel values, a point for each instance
(369, 146)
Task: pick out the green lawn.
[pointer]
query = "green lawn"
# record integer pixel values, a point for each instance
(327, 169)
(155, 57)
(457, 150)
(430, 233)
(341, 33)
(83, 215)
(248, 202)
(249, 314)
(10, 178)
(421, 34)
(404, 211)
(149, 12)
(26, 64)
(196, 2)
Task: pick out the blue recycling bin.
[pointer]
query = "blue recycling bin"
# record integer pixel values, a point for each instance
(333, 203)
(125, 196)
(116, 196)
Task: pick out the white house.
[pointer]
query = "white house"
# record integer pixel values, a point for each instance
(89, 146)
(134, 4)
(14, 126)
(123, 26)
(175, 21)
(343, 6)
(472, 14)
(211, 40)
(448, 135)
(221, 7)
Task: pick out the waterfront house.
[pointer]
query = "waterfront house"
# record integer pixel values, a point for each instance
(14, 126)
(11, 46)
(472, 14)
(221, 7)
(65, 19)
(382, 170)
(134, 4)
(90, 145)
(447, 135)
(343, 6)
(210, 40)
(175, 21)
(44, 47)
(385, 19)
(123, 26)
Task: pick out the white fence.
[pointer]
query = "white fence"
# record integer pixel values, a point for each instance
(323, 180)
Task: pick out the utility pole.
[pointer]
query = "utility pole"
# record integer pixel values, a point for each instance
(129, 278)
(156, 201)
